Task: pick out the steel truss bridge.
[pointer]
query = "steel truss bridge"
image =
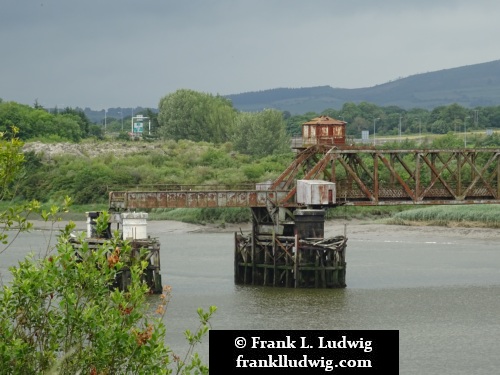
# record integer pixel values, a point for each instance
(362, 177)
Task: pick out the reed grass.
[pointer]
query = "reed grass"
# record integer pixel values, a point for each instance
(202, 215)
(484, 215)
(364, 213)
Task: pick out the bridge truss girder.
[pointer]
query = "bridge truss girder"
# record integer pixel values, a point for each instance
(365, 177)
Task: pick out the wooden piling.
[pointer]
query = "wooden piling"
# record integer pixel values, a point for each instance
(291, 261)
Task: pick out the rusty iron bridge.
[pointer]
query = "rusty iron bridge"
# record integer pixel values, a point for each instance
(362, 177)
(287, 247)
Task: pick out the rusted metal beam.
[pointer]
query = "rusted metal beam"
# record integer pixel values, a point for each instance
(478, 175)
(287, 176)
(437, 175)
(362, 177)
(395, 175)
(362, 186)
(199, 199)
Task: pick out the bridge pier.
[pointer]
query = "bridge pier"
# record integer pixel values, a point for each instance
(132, 228)
(301, 259)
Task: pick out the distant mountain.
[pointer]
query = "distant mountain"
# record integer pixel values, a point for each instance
(469, 86)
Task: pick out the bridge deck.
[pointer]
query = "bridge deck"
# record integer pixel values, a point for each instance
(363, 177)
(120, 200)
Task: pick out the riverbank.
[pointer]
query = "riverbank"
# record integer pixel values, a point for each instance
(349, 228)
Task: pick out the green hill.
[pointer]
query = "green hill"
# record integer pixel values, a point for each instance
(469, 86)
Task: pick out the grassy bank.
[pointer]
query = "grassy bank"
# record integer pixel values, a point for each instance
(484, 215)
(203, 215)
(364, 213)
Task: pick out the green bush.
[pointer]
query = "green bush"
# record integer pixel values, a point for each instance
(59, 314)
(253, 172)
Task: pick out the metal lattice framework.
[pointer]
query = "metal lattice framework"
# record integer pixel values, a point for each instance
(362, 177)
(384, 177)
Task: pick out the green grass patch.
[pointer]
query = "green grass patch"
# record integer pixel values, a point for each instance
(202, 215)
(464, 215)
(364, 213)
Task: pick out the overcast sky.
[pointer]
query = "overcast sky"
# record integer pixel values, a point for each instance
(127, 53)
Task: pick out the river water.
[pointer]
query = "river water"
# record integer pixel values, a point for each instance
(440, 288)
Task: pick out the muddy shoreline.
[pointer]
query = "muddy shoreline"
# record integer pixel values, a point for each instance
(335, 227)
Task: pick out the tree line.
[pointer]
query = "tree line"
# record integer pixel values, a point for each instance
(184, 115)
(394, 120)
(196, 116)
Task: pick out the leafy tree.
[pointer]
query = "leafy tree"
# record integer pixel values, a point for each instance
(38, 123)
(96, 131)
(79, 116)
(440, 127)
(350, 111)
(187, 114)
(67, 127)
(14, 115)
(153, 116)
(448, 141)
(370, 110)
(490, 117)
(11, 161)
(260, 134)
(452, 115)
(357, 125)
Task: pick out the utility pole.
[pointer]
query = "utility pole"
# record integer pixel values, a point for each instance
(400, 127)
(121, 114)
(465, 131)
(374, 121)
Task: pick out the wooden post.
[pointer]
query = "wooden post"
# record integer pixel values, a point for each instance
(296, 265)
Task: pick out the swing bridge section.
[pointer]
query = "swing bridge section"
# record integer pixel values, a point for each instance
(287, 245)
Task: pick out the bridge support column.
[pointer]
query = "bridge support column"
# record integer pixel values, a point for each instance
(142, 246)
(305, 259)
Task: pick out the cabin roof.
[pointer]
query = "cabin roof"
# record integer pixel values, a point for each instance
(324, 120)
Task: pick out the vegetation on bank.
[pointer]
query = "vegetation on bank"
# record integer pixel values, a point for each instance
(89, 179)
(60, 312)
(487, 216)
(483, 215)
